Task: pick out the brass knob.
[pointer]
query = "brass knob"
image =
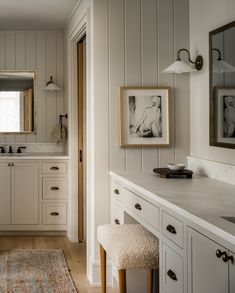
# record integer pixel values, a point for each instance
(54, 188)
(171, 229)
(116, 221)
(219, 253)
(138, 207)
(116, 191)
(54, 214)
(172, 275)
(54, 168)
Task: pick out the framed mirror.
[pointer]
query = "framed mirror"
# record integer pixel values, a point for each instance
(222, 86)
(17, 102)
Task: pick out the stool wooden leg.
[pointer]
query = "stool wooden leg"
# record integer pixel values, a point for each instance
(150, 281)
(103, 269)
(122, 281)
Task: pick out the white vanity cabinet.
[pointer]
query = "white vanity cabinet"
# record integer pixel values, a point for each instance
(24, 193)
(33, 194)
(196, 252)
(211, 266)
(18, 193)
(5, 194)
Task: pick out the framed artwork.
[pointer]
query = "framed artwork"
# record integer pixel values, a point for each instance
(224, 118)
(145, 116)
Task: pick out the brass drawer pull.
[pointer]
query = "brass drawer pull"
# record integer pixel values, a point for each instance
(138, 207)
(171, 229)
(54, 188)
(54, 168)
(116, 221)
(54, 214)
(116, 191)
(172, 275)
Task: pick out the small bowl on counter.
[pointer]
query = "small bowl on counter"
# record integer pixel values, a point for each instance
(176, 167)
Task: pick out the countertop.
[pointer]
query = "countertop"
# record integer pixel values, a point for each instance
(201, 200)
(34, 156)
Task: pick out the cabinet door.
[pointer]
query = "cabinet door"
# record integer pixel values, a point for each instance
(232, 273)
(24, 188)
(207, 272)
(5, 194)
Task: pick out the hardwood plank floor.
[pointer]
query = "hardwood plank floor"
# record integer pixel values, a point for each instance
(75, 255)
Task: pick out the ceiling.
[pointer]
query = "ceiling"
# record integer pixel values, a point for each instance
(35, 14)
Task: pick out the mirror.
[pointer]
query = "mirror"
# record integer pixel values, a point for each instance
(17, 102)
(222, 86)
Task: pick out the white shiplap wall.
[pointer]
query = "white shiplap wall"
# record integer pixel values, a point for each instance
(43, 52)
(134, 41)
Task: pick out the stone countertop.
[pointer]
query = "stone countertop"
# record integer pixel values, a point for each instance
(33, 156)
(201, 200)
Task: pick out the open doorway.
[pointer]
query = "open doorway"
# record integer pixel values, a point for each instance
(81, 67)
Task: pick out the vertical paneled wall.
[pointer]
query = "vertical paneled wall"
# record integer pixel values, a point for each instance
(140, 38)
(43, 52)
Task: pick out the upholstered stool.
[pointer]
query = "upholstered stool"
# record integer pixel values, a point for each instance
(129, 247)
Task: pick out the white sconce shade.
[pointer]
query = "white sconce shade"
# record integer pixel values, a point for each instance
(51, 86)
(179, 67)
(220, 66)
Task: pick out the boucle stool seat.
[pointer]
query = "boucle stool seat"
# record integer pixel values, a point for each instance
(129, 247)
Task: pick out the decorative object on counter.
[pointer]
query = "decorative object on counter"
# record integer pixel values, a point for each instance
(222, 86)
(167, 173)
(35, 270)
(2, 150)
(180, 66)
(145, 115)
(20, 148)
(176, 167)
(51, 86)
(59, 134)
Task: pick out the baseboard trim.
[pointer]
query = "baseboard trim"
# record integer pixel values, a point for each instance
(32, 233)
(94, 273)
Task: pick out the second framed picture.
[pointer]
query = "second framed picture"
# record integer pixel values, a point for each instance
(145, 115)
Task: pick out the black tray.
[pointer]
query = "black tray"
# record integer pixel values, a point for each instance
(168, 173)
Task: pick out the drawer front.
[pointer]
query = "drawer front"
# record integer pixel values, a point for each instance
(54, 168)
(55, 188)
(54, 214)
(143, 209)
(117, 215)
(173, 269)
(173, 229)
(117, 191)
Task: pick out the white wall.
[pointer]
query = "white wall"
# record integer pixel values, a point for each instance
(130, 43)
(43, 52)
(205, 15)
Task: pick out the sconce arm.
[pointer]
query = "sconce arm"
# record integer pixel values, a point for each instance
(198, 61)
(185, 50)
(219, 52)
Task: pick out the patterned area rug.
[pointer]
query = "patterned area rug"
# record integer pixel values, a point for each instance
(34, 271)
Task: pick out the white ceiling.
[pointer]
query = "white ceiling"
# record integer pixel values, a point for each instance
(35, 14)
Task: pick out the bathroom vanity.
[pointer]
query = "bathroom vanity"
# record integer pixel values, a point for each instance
(197, 245)
(34, 192)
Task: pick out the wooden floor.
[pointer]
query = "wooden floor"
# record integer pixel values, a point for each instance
(75, 255)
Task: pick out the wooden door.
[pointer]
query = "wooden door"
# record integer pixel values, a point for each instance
(5, 194)
(81, 135)
(207, 273)
(24, 193)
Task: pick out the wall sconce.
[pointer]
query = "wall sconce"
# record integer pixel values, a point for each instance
(180, 66)
(221, 66)
(51, 86)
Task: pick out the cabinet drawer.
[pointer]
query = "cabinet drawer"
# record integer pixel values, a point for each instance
(54, 188)
(117, 191)
(117, 215)
(173, 229)
(54, 168)
(142, 208)
(173, 269)
(54, 214)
